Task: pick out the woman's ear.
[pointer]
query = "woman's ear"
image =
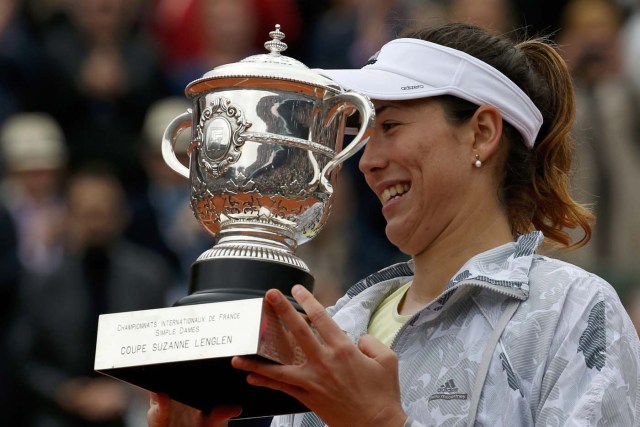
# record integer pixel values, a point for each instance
(486, 125)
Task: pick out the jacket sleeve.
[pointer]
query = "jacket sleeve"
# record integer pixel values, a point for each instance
(293, 421)
(592, 374)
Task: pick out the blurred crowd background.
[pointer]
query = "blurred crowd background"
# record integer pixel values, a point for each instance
(92, 220)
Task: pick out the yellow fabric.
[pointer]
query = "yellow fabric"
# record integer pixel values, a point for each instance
(385, 321)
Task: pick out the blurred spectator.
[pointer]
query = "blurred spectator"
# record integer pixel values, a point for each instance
(105, 74)
(540, 17)
(34, 153)
(9, 278)
(173, 24)
(631, 46)
(632, 304)
(162, 218)
(607, 168)
(199, 35)
(309, 11)
(100, 273)
(21, 67)
(42, 15)
(494, 15)
(350, 32)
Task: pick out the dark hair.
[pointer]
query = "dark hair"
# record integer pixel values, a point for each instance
(535, 182)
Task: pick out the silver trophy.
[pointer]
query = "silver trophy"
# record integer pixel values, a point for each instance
(266, 145)
(266, 138)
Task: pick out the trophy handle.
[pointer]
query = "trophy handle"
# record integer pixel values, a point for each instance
(177, 125)
(367, 112)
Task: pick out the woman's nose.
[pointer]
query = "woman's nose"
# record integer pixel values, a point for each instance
(372, 156)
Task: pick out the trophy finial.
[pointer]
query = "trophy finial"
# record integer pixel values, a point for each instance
(276, 45)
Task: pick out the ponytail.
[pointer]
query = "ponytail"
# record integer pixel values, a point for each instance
(555, 210)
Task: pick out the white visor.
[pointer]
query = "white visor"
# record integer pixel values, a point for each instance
(411, 68)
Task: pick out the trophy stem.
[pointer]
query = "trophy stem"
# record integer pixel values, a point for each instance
(261, 239)
(230, 279)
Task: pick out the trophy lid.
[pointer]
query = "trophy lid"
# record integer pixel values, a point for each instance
(272, 65)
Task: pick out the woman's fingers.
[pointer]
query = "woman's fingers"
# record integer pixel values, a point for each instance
(263, 381)
(343, 383)
(296, 323)
(158, 413)
(220, 415)
(274, 372)
(164, 412)
(325, 326)
(377, 351)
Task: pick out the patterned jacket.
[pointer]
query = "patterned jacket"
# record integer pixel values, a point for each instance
(516, 338)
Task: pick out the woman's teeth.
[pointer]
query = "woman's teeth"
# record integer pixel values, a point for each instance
(394, 191)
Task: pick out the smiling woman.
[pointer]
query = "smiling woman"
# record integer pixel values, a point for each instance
(470, 159)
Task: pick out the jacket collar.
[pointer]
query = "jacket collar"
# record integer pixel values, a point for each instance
(504, 269)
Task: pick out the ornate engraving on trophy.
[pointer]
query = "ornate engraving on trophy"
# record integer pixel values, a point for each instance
(219, 140)
(242, 186)
(201, 202)
(294, 188)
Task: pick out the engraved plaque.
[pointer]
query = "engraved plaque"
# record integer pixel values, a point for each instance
(171, 350)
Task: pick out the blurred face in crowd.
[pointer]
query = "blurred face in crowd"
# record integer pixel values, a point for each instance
(229, 25)
(494, 15)
(7, 11)
(162, 174)
(589, 38)
(96, 211)
(419, 165)
(592, 19)
(39, 184)
(104, 20)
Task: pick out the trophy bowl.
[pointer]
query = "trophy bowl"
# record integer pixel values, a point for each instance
(266, 145)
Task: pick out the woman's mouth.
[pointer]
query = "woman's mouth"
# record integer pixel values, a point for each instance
(393, 192)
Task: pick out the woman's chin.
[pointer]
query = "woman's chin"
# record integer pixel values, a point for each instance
(399, 241)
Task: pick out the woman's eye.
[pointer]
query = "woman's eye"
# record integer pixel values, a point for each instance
(387, 126)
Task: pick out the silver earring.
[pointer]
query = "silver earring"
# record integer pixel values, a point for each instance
(478, 163)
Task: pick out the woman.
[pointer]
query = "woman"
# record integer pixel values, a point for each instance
(470, 159)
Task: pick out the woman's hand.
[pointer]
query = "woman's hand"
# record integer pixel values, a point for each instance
(343, 384)
(164, 412)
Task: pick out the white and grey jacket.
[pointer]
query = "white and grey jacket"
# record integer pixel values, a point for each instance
(515, 339)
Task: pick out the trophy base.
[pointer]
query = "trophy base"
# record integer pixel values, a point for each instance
(185, 352)
(232, 279)
(200, 383)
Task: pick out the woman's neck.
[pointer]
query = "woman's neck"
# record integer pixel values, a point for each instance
(437, 264)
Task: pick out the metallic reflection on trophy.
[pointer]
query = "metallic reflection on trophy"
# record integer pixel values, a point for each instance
(266, 145)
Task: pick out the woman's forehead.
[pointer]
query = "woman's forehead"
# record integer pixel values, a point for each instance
(404, 105)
